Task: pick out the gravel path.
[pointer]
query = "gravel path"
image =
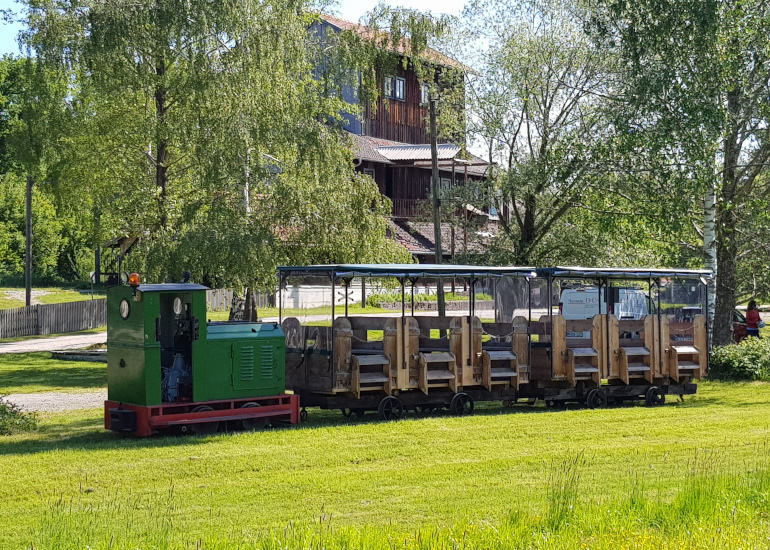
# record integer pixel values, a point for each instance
(58, 401)
(79, 341)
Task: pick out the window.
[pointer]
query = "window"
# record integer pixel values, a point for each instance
(369, 172)
(400, 89)
(424, 93)
(446, 183)
(387, 88)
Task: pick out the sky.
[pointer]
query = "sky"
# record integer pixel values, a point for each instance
(351, 10)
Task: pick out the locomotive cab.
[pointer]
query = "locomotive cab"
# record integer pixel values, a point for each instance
(155, 342)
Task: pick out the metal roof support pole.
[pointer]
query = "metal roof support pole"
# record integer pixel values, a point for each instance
(471, 311)
(412, 281)
(280, 297)
(660, 330)
(333, 304)
(436, 203)
(550, 318)
(404, 327)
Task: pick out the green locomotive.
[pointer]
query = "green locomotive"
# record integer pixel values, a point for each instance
(167, 367)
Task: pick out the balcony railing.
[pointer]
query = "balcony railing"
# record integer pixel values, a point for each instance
(409, 208)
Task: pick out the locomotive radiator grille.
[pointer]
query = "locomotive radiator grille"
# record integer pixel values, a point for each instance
(247, 363)
(267, 362)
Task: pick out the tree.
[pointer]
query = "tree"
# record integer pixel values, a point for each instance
(200, 127)
(700, 73)
(538, 104)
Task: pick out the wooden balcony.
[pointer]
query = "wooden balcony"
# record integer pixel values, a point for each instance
(409, 208)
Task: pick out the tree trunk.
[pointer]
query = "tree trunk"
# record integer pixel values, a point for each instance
(727, 222)
(710, 249)
(161, 143)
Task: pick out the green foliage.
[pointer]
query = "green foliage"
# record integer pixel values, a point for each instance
(374, 300)
(205, 129)
(14, 420)
(749, 360)
(49, 242)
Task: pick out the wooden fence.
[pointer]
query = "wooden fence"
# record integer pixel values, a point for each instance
(53, 318)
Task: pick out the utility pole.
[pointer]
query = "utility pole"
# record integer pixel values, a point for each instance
(435, 183)
(28, 253)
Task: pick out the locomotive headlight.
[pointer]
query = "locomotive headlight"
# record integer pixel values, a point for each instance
(178, 306)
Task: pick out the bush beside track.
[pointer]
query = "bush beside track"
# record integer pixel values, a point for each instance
(749, 360)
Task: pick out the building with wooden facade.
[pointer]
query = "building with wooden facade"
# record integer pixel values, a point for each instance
(391, 144)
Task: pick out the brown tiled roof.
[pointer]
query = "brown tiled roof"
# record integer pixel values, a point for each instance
(418, 237)
(368, 33)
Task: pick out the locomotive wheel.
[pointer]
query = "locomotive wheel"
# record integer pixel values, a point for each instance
(596, 399)
(390, 408)
(204, 428)
(654, 397)
(250, 424)
(461, 405)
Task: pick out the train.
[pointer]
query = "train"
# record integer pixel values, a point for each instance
(622, 335)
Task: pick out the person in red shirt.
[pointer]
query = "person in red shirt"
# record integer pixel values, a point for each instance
(752, 319)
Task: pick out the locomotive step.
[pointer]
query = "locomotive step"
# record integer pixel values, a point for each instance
(637, 351)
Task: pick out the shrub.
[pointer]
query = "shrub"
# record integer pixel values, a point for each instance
(14, 420)
(749, 360)
(395, 298)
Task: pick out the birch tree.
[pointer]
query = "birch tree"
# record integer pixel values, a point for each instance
(700, 73)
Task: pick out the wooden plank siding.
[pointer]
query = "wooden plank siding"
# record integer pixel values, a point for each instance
(53, 318)
(404, 121)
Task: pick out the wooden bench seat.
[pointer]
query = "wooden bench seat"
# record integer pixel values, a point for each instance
(584, 352)
(584, 368)
(685, 349)
(506, 355)
(687, 352)
(372, 378)
(440, 375)
(688, 365)
(638, 367)
(371, 359)
(636, 350)
(503, 373)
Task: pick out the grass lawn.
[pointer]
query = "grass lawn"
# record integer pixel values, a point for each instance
(14, 297)
(686, 475)
(37, 372)
(294, 312)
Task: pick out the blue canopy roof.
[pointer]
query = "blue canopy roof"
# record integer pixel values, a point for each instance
(622, 272)
(408, 271)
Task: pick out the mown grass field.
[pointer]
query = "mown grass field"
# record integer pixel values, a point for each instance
(686, 475)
